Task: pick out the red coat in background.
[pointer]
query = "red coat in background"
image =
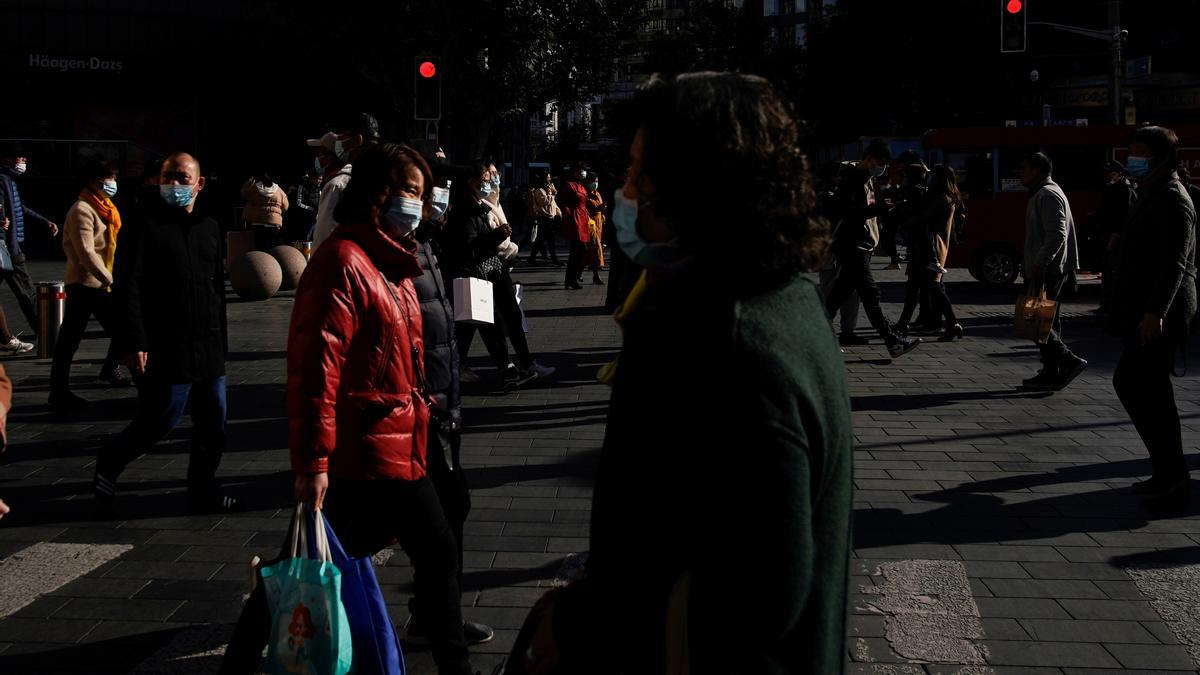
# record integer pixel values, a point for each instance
(573, 202)
(355, 361)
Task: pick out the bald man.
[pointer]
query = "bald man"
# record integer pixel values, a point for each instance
(169, 303)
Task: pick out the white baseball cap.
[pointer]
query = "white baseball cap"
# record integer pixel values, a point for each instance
(328, 141)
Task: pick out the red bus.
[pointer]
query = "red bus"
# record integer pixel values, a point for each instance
(988, 161)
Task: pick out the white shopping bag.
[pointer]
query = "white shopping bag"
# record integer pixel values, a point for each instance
(473, 301)
(521, 306)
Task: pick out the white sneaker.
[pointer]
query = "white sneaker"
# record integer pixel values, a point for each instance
(15, 346)
(468, 376)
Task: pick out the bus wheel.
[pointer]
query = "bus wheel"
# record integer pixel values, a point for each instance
(997, 266)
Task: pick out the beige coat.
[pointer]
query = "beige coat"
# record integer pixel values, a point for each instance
(264, 205)
(85, 241)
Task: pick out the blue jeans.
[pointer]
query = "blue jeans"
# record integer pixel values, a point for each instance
(160, 407)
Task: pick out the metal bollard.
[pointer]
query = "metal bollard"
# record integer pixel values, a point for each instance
(52, 301)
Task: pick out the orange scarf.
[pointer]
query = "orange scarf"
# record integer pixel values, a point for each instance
(111, 217)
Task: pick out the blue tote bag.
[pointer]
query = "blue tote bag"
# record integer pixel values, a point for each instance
(309, 630)
(376, 645)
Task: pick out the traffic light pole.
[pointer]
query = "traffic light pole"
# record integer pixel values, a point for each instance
(1114, 36)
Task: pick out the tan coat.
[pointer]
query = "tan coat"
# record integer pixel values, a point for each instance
(85, 241)
(263, 205)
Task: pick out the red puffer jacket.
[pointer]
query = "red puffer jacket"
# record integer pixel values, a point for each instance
(355, 361)
(573, 198)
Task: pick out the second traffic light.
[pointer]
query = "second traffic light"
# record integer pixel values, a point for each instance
(427, 88)
(1012, 25)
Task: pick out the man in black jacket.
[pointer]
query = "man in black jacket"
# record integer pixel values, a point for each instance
(1153, 307)
(855, 240)
(169, 303)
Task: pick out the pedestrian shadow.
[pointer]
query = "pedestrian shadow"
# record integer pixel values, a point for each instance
(977, 512)
(1160, 559)
(70, 504)
(136, 653)
(534, 418)
(902, 402)
(579, 468)
(563, 312)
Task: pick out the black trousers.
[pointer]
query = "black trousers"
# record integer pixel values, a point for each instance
(854, 274)
(922, 283)
(446, 472)
(369, 514)
(544, 242)
(575, 262)
(507, 324)
(1055, 351)
(1142, 381)
(22, 287)
(82, 304)
(161, 405)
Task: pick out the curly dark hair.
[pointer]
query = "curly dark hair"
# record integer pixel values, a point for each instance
(738, 130)
(376, 170)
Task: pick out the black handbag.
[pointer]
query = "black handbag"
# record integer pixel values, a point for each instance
(489, 269)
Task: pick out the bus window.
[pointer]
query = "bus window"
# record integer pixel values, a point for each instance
(1074, 168)
(974, 171)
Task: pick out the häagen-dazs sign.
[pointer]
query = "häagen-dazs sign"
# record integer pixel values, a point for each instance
(68, 64)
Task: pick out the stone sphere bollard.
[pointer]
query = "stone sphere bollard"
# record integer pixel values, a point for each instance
(292, 262)
(256, 276)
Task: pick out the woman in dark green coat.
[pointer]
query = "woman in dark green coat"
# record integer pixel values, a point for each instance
(722, 504)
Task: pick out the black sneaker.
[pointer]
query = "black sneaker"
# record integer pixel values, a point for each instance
(1146, 487)
(477, 633)
(852, 340)
(898, 347)
(64, 401)
(515, 377)
(1069, 371)
(414, 634)
(1043, 381)
(1174, 494)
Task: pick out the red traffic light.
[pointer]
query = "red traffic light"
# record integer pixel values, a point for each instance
(428, 69)
(1015, 6)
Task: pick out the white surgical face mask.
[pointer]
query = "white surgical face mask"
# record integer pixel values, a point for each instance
(403, 214)
(441, 202)
(19, 168)
(109, 187)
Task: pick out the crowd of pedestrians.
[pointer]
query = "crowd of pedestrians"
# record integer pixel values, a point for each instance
(376, 358)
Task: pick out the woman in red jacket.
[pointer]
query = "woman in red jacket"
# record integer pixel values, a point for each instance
(358, 413)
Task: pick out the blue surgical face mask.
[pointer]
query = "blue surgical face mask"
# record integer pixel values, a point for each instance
(403, 214)
(176, 195)
(109, 187)
(441, 202)
(317, 166)
(595, 185)
(1138, 167)
(878, 171)
(485, 188)
(646, 254)
(340, 151)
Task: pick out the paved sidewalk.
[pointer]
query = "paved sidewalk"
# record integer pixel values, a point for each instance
(995, 532)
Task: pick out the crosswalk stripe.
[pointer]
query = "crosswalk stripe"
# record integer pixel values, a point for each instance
(1174, 593)
(930, 614)
(45, 567)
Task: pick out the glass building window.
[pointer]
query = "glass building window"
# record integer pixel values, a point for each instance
(770, 7)
(801, 6)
